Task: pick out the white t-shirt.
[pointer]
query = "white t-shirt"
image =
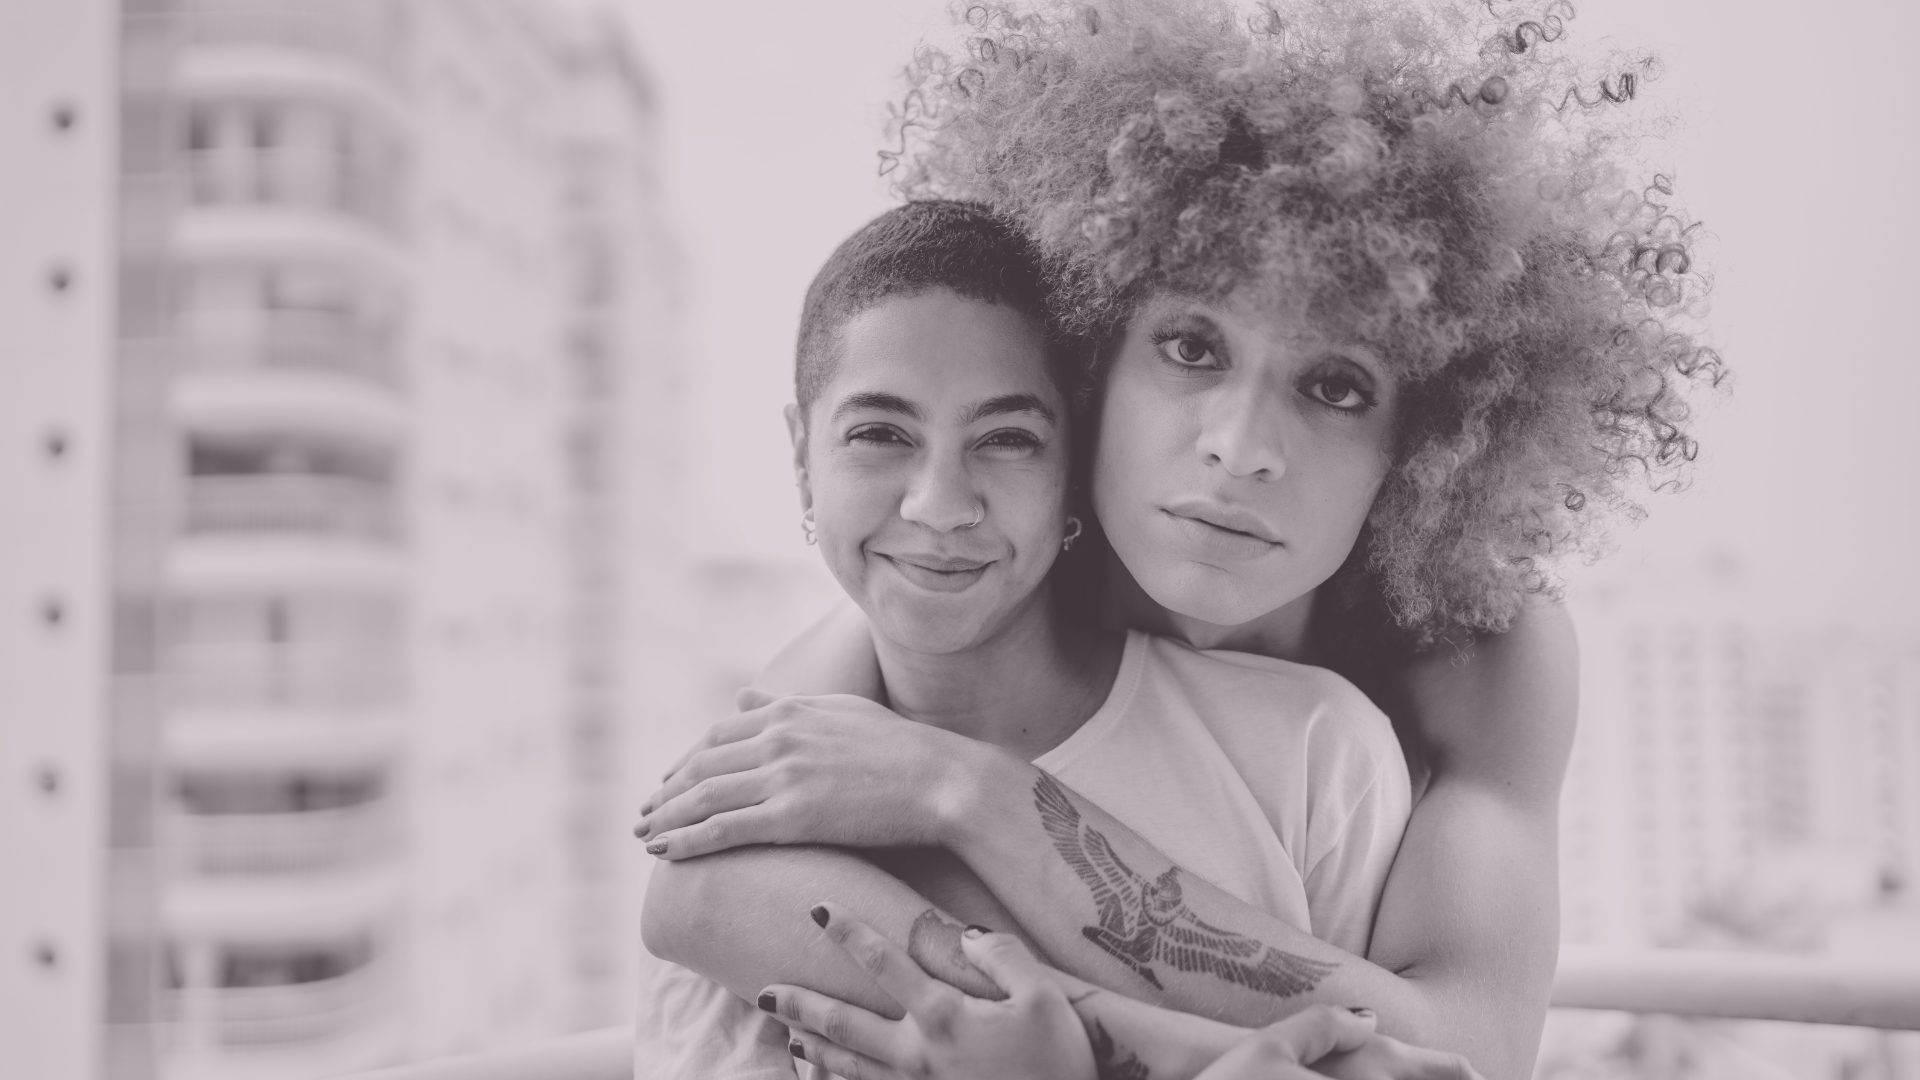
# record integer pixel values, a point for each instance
(1280, 783)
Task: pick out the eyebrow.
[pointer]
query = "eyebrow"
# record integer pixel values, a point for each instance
(1010, 403)
(880, 402)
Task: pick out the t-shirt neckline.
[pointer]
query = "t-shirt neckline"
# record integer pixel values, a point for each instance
(1126, 683)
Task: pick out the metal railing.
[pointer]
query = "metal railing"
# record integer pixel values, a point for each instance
(1751, 986)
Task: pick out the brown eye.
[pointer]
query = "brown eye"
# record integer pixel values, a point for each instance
(1340, 394)
(1187, 352)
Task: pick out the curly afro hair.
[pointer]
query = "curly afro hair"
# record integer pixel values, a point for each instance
(1430, 183)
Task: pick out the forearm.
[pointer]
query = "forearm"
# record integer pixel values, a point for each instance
(1142, 936)
(740, 917)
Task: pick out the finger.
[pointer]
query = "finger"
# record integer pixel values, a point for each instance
(838, 1060)
(708, 799)
(714, 761)
(929, 1000)
(1316, 1031)
(731, 729)
(750, 698)
(1256, 1058)
(1005, 959)
(732, 829)
(1408, 1062)
(848, 1027)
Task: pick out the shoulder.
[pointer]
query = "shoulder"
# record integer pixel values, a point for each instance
(1279, 698)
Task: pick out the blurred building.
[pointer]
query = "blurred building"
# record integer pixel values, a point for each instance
(332, 327)
(1736, 776)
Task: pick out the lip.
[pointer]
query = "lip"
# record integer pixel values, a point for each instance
(938, 573)
(1226, 517)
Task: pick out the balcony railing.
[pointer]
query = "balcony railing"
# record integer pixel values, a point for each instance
(289, 843)
(278, 1015)
(319, 505)
(351, 32)
(260, 674)
(1814, 990)
(294, 341)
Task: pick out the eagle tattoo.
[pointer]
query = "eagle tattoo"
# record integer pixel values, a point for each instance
(1144, 921)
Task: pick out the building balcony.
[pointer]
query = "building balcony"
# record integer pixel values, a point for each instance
(272, 736)
(270, 908)
(336, 47)
(284, 564)
(293, 342)
(251, 399)
(292, 503)
(236, 217)
(291, 1031)
(305, 842)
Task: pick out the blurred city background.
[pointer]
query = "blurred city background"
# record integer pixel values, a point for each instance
(392, 483)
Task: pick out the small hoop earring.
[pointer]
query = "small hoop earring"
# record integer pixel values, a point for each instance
(807, 528)
(980, 515)
(1073, 533)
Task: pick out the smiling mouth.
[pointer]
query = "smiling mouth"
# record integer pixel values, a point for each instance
(937, 574)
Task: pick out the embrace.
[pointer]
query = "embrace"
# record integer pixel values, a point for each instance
(1193, 445)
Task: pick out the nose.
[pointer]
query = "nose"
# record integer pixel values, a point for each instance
(941, 496)
(1243, 430)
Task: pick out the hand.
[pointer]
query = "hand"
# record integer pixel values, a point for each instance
(1383, 1058)
(837, 770)
(1283, 1051)
(1032, 1034)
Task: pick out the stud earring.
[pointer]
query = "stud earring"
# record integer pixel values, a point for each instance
(807, 528)
(1073, 533)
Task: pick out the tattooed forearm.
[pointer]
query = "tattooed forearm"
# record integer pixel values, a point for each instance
(934, 943)
(1108, 1060)
(1145, 921)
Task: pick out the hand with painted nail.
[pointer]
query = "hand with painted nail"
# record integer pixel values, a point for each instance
(1032, 1033)
(837, 770)
(1286, 1050)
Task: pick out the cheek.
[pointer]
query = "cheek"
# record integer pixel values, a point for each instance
(1140, 436)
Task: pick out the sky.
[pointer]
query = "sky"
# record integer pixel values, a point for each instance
(1793, 142)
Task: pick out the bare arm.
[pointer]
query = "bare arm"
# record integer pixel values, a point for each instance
(740, 918)
(1471, 909)
(833, 656)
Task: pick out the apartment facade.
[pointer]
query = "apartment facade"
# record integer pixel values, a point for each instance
(337, 726)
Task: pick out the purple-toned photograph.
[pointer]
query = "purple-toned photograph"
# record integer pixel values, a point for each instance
(935, 540)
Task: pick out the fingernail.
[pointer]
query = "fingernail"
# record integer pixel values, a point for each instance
(765, 1001)
(797, 1050)
(976, 931)
(640, 830)
(1364, 1014)
(658, 847)
(820, 916)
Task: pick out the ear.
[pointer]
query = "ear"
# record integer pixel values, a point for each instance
(797, 431)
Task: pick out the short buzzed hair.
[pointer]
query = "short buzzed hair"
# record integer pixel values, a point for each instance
(923, 245)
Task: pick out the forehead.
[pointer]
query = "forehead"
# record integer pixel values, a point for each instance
(937, 349)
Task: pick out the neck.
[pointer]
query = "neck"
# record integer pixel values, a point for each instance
(1280, 633)
(1025, 689)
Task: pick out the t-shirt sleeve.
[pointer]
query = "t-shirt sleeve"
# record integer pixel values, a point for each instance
(1357, 812)
(690, 1028)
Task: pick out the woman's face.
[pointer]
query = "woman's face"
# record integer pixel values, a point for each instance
(1239, 453)
(935, 462)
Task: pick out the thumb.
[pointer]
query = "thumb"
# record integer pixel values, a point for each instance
(1319, 1030)
(1005, 959)
(749, 698)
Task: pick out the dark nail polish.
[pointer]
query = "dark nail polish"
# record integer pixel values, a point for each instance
(658, 847)
(1364, 1014)
(820, 916)
(765, 1001)
(976, 931)
(798, 1051)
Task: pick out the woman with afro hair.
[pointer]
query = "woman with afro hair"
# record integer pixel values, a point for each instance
(1380, 266)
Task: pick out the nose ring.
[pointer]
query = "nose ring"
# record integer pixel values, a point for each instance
(980, 516)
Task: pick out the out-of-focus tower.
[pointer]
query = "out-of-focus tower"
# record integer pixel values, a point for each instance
(57, 149)
(320, 602)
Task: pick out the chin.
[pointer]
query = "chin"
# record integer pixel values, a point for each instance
(1209, 594)
(933, 629)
